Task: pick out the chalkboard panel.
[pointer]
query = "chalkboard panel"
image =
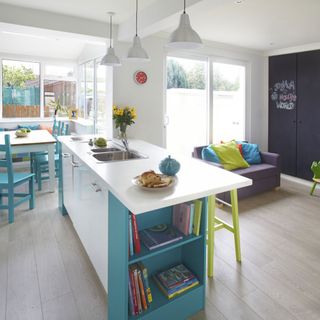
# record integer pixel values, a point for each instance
(283, 110)
(308, 137)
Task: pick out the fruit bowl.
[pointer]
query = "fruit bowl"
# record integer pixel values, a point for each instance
(23, 132)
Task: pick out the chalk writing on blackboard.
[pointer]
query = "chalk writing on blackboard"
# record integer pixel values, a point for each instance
(283, 94)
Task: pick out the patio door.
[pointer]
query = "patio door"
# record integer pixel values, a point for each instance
(186, 120)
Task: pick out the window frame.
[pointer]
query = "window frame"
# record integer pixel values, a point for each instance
(210, 59)
(42, 64)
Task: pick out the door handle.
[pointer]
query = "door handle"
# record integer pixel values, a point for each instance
(75, 164)
(95, 187)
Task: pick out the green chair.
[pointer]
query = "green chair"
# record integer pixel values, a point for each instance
(9, 180)
(315, 168)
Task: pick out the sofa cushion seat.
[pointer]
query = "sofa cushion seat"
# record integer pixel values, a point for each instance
(258, 171)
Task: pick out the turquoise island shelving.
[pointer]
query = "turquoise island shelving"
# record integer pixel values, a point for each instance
(99, 198)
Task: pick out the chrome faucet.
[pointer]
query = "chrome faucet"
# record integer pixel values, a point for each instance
(125, 143)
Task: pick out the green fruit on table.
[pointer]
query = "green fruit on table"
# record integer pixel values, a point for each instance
(100, 142)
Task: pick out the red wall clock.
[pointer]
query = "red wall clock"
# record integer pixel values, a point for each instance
(140, 77)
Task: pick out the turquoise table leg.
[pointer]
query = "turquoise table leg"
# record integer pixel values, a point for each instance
(211, 217)
(31, 192)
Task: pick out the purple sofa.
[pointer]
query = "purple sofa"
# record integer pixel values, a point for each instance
(265, 176)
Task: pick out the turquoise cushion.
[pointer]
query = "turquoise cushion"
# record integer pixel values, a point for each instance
(251, 153)
(1, 129)
(31, 127)
(208, 154)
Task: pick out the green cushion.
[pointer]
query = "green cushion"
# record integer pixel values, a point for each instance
(230, 156)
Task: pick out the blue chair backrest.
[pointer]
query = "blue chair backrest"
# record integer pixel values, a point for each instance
(7, 162)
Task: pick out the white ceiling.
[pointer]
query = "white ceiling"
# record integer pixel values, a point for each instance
(92, 9)
(35, 42)
(255, 24)
(258, 24)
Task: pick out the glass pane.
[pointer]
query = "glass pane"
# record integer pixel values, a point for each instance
(20, 89)
(228, 102)
(101, 122)
(62, 91)
(186, 104)
(56, 72)
(82, 93)
(90, 90)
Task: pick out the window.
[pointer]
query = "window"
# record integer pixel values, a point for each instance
(191, 120)
(186, 108)
(59, 85)
(95, 96)
(20, 89)
(228, 102)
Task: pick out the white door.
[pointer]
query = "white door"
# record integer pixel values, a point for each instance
(186, 106)
(228, 102)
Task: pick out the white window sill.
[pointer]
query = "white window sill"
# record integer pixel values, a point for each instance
(25, 120)
(83, 122)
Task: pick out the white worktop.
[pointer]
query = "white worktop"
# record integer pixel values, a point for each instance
(196, 179)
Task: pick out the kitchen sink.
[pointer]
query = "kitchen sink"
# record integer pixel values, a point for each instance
(118, 156)
(105, 150)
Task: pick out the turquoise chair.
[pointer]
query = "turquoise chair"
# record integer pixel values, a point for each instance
(41, 161)
(9, 180)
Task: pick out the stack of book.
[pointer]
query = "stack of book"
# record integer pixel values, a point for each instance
(175, 280)
(160, 235)
(134, 239)
(140, 296)
(187, 217)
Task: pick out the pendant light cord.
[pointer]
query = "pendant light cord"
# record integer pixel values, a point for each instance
(184, 6)
(110, 30)
(136, 18)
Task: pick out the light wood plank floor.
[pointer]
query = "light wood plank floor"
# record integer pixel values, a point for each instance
(46, 274)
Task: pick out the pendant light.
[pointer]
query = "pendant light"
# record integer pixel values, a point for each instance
(136, 52)
(110, 59)
(184, 37)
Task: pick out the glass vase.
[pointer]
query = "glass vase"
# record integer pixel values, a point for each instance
(123, 131)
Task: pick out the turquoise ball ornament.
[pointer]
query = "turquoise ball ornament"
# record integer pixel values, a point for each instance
(169, 166)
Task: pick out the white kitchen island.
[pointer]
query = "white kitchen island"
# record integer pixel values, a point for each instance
(98, 198)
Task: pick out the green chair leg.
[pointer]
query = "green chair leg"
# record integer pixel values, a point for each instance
(235, 220)
(313, 188)
(211, 222)
(31, 192)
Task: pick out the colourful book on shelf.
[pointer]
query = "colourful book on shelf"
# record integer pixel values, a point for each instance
(136, 238)
(197, 217)
(142, 291)
(174, 276)
(134, 293)
(181, 217)
(170, 296)
(131, 304)
(160, 235)
(130, 236)
(191, 204)
(136, 284)
(145, 282)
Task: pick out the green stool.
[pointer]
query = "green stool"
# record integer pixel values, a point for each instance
(315, 168)
(215, 224)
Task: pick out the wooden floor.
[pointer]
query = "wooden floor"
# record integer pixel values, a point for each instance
(45, 273)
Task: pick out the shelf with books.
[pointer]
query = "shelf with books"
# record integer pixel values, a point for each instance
(190, 251)
(161, 305)
(146, 253)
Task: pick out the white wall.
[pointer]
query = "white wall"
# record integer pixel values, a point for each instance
(149, 99)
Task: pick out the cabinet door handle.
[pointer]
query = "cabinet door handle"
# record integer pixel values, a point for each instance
(95, 187)
(75, 164)
(66, 155)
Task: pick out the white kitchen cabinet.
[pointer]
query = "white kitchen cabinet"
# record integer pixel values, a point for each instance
(86, 200)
